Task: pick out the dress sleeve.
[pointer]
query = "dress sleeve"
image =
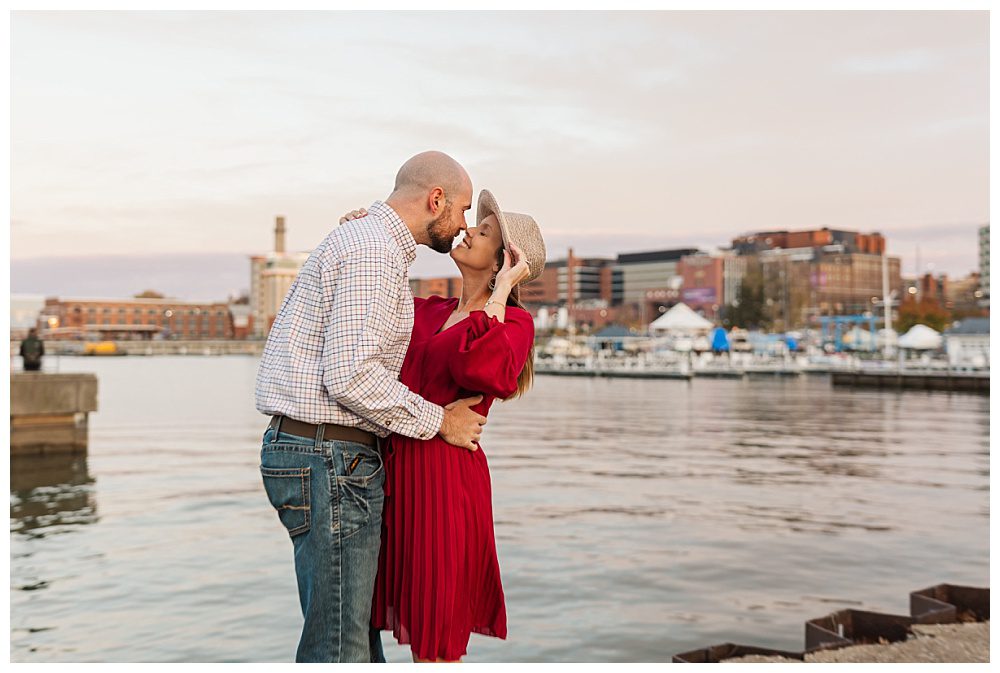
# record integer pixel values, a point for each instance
(491, 353)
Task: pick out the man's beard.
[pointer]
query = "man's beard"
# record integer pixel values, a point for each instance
(437, 231)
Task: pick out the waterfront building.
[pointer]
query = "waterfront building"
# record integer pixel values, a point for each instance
(847, 241)
(644, 271)
(544, 290)
(932, 288)
(963, 296)
(271, 276)
(442, 287)
(819, 272)
(850, 283)
(657, 302)
(138, 318)
(710, 280)
(575, 281)
(242, 320)
(588, 289)
(967, 342)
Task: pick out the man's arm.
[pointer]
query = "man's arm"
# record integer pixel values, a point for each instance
(362, 291)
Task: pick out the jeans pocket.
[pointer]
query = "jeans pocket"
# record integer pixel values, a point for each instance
(361, 499)
(288, 490)
(361, 466)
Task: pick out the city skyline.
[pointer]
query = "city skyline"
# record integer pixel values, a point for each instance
(138, 135)
(183, 276)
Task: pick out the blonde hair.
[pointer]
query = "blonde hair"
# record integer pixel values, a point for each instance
(527, 376)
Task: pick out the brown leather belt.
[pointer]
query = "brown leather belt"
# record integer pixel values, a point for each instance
(330, 431)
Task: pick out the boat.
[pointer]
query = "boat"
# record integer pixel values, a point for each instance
(101, 348)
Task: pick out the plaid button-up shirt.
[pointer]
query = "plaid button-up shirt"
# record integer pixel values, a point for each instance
(337, 344)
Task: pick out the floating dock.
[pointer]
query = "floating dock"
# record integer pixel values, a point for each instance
(614, 372)
(957, 381)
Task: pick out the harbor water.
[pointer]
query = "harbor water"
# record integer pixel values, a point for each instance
(635, 519)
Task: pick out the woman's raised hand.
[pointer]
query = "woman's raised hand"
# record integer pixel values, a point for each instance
(353, 215)
(508, 276)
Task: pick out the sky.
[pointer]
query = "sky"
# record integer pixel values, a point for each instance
(160, 146)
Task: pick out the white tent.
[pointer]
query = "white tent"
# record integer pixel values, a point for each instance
(858, 338)
(920, 337)
(680, 318)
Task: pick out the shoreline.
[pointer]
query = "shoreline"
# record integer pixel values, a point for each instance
(929, 643)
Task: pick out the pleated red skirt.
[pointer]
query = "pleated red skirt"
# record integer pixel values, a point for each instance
(438, 578)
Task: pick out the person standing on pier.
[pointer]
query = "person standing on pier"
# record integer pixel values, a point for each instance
(32, 350)
(329, 379)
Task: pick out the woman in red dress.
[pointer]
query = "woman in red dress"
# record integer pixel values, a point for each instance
(438, 577)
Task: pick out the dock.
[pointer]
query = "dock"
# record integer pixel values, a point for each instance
(140, 347)
(49, 412)
(620, 372)
(951, 381)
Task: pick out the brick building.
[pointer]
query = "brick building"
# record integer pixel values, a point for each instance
(442, 287)
(819, 272)
(144, 318)
(848, 241)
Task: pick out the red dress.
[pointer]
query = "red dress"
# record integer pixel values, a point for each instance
(438, 576)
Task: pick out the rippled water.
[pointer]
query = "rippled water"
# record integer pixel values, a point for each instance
(635, 519)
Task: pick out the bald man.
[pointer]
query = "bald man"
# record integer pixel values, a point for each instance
(329, 380)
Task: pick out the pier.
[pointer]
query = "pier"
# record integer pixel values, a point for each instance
(156, 347)
(49, 412)
(952, 381)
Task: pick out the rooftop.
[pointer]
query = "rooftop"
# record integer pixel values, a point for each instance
(970, 326)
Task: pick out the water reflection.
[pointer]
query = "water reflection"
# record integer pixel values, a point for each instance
(50, 491)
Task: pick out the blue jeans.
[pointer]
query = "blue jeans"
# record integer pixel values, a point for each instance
(328, 496)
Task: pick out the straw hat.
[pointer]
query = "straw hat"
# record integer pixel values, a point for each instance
(521, 230)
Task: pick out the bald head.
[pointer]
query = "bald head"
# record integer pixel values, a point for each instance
(428, 170)
(431, 195)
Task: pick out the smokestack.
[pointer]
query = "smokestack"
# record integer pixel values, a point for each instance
(279, 234)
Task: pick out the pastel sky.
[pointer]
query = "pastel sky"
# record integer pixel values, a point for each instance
(146, 133)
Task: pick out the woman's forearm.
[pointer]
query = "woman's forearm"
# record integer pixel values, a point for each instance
(496, 306)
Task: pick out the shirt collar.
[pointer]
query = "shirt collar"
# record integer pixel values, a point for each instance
(397, 228)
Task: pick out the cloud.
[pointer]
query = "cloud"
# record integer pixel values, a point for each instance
(191, 131)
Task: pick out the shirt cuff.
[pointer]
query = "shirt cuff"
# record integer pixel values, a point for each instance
(430, 420)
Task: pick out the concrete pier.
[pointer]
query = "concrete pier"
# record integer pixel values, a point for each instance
(49, 412)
